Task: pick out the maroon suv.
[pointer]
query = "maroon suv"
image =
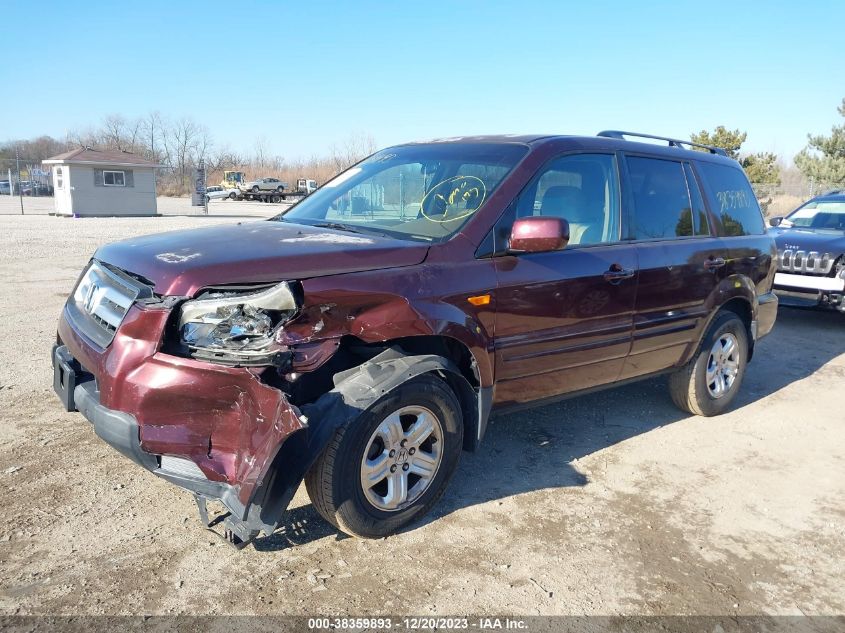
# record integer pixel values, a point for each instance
(362, 338)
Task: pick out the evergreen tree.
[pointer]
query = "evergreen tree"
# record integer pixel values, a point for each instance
(761, 168)
(823, 159)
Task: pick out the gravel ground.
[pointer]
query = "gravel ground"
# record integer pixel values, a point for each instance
(612, 503)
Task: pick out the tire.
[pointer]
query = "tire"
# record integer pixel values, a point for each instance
(233, 196)
(255, 189)
(275, 198)
(691, 387)
(335, 481)
(280, 189)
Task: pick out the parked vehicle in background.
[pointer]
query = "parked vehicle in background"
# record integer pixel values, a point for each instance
(216, 192)
(304, 187)
(30, 188)
(361, 338)
(811, 253)
(5, 188)
(263, 184)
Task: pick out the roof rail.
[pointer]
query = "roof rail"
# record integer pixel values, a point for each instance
(673, 142)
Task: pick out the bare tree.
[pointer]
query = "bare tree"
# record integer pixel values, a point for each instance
(352, 150)
(185, 143)
(177, 146)
(263, 160)
(113, 132)
(152, 131)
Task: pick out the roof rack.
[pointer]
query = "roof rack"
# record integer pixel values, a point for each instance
(673, 142)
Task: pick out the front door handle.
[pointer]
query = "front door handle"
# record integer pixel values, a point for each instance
(617, 274)
(713, 263)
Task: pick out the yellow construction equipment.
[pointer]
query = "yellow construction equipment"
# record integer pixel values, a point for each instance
(231, 179)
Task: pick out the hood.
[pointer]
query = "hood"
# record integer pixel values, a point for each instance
(802, 239)
(182, 262)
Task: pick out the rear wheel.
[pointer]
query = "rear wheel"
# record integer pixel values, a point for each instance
(233, 196)
(708, 384)
(392, 464)
(255, 189)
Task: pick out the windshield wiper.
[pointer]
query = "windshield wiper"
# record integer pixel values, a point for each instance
(339, 226)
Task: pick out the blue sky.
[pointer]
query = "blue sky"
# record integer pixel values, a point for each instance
(319, 72)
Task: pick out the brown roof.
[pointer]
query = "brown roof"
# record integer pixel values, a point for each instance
(87, 155)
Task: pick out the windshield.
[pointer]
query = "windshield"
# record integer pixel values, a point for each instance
(418, 192)
(819, 215)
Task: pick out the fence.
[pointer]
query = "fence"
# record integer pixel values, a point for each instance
(781, 199)
(22, 180)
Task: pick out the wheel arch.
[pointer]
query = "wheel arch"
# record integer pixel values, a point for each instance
(734, 295)
(355, 390)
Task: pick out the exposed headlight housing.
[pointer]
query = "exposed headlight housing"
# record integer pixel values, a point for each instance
(237, 328)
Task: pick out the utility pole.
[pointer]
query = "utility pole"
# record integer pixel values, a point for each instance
(204, 186)
(18, 168)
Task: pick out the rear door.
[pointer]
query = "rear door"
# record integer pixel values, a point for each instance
(680, 261)
(563, 318)
(750, 249)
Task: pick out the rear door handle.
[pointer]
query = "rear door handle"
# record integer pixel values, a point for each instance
(714, 262)
(616, 274)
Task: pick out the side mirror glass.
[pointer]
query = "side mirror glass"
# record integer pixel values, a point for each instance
(538, 234)
(775, 221)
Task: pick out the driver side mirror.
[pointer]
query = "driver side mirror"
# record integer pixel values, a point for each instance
(538, 234)
(775, 221)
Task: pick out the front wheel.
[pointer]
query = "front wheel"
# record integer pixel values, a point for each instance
(392, 464)
(255, 189)
(233, 196)
(709, 383)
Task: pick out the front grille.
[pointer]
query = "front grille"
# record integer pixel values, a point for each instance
(805, 262)
(100, 301)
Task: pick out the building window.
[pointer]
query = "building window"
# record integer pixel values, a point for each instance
(114, 179)
(59, 179)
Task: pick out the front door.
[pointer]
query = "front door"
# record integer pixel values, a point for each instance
(564, 318)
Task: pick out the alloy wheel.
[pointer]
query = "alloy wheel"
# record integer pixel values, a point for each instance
(722, 365)
(402, 458)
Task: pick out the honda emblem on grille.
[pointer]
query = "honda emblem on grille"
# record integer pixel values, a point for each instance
(91, 297)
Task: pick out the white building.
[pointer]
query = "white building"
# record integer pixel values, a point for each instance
(88, 182)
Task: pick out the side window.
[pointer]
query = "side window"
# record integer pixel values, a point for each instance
(732, 199)
(701, 225)
(582, 189)
(59, 178)
(114, 178)
(662, 206)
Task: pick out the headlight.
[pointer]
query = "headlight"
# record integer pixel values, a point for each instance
(236, 327)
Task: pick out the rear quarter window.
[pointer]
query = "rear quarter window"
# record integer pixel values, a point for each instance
(732, 199)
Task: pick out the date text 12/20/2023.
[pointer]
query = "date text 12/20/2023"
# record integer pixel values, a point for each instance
(419, 623)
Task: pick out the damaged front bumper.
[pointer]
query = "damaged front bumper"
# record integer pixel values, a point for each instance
(121, 431)
(220, 432)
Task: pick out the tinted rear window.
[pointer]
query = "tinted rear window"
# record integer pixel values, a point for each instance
(732, 199)
(661, 199)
